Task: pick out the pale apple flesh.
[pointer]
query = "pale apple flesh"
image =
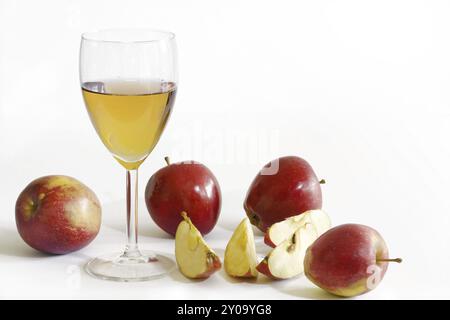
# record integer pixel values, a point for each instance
(280, 231)
(195, 259)
(286, 260)
(240, 255)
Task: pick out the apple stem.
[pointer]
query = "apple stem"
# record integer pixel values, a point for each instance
(167, 159)
(398, 260)
(322, 181)
(184, 215)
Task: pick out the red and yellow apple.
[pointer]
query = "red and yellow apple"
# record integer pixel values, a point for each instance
(57, 214)
(185, 186)
(291, 189)
(348, 260)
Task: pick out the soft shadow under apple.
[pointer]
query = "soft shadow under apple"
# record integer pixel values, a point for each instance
(260, 280)
(178, 277)
(308, 293)
(13, 245)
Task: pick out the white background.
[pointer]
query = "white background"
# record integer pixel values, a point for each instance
(358, 88)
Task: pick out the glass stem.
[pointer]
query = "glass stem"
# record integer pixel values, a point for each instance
(131, 249)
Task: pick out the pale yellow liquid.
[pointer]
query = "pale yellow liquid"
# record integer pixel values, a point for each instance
(129, 116)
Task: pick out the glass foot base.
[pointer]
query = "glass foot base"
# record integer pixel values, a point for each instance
(116, 267)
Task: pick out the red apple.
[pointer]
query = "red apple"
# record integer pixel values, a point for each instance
(347, 260)
(185, 186)
(57, 214)
(289, 191)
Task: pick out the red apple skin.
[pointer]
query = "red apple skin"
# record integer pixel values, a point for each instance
(293, 190)
(268, 241)
(249, 275)
(185, 186)
(57, 214)
(338, 260)
(215, 265)
(263, 268)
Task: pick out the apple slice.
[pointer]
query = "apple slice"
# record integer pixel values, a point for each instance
(240, 255)
(195, 259)
(280, 231)
(286, 260)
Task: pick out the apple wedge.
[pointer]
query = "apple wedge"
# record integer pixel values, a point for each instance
(240, 255)
(286, 260)
(279, 232)
(195, 259)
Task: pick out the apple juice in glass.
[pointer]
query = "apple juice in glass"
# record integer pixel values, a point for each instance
(129, 82)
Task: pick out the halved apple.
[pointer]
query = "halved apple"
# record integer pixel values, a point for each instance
(195, 259)
(279, 232)
(286, 260)
(240, 255)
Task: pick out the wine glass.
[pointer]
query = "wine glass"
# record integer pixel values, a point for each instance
(129, 81)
